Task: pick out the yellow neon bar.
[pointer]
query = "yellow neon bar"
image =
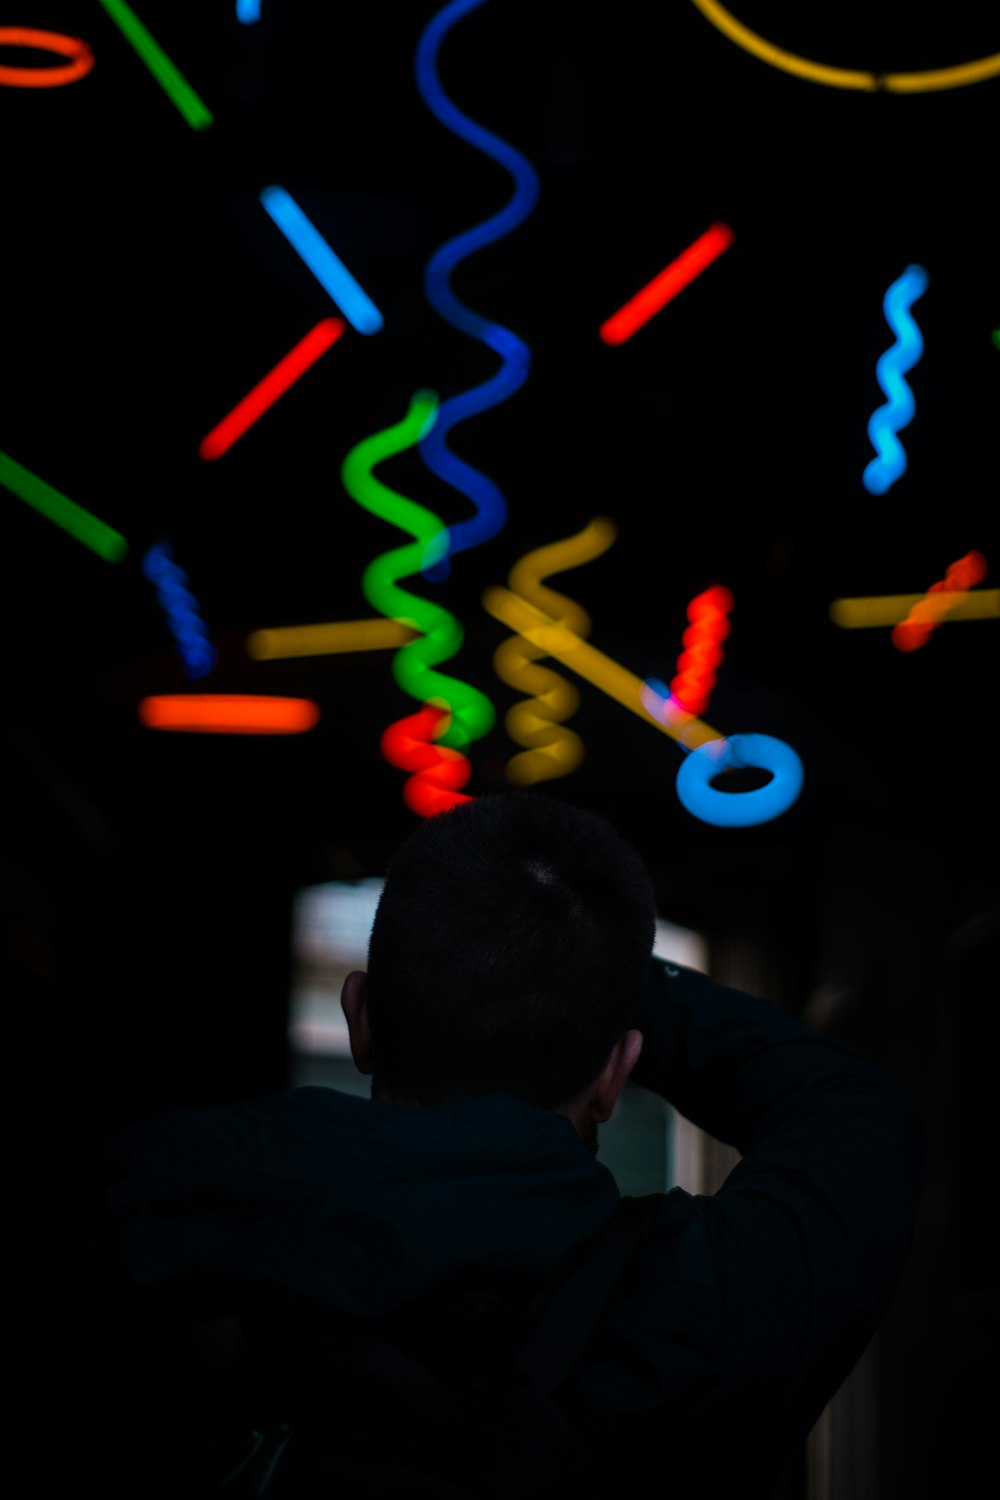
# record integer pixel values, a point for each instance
(889, 609)
(592, 665)
(327, 640)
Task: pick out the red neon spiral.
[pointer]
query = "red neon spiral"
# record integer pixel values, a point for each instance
(438, 770)
(924, 618)
(696, 666)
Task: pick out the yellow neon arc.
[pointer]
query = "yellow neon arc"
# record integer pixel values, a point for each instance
(923, 82)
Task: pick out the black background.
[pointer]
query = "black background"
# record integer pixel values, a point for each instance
(148, 877)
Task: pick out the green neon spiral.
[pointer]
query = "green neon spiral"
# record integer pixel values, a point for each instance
(472, 713)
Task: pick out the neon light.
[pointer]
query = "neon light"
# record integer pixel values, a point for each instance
(171, 81)
(188, 628)
(55, 507)
(696, 675)
(888, 609)
(327, 640)
(45, 41)
(665, 286)
(625, 687)
(901, 356)
(942, 597)
(491, 507)
(331, 273)
(845, 78)
(566, 646)
(537, 723)
(267, 391)
(228, 713)
(438, 773)
(740, 809)
(442, 635)
(248, 11)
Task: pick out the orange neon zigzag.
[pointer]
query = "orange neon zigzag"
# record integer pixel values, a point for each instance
(438, 770)
(703, 653)
(924, 618)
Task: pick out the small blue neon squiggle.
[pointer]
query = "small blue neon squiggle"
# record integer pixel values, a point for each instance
(491, 507)
(901, 356)
(186, 625)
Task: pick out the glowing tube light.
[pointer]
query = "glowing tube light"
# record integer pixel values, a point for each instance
(942, 597)
(538, 721)
(566, 646)
(485, 495)
(902, 355)
(228, 713)
(186, 625)
(267, 391)
(55, 507)
(711, 753)
(331, 273)
(865, 613)
(82, 59)
(171, 81)
(248, 11)
(437, 772)
(664, 287)
(328, 640)
(708, 614)
(958, 76)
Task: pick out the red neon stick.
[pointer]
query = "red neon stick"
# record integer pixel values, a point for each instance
(228, 713)
(665, 286)
(266, 392)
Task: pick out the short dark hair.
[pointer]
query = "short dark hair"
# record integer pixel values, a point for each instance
(508, 953)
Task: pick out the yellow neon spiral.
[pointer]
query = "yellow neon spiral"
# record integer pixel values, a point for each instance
(537, 722)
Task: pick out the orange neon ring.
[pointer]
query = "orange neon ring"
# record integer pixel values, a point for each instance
(45, 41)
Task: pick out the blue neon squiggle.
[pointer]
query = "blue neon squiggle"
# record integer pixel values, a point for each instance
(901, 356)
(186, 625)
(491, 507)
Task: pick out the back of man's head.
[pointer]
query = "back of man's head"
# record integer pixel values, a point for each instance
(508, 953)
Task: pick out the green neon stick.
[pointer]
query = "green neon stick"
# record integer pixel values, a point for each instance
(472, 713)
(95, 534)
(197, 114)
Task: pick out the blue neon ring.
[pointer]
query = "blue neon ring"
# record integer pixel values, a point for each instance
(740, 809)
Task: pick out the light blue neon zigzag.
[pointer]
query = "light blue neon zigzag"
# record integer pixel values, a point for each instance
(901, 356)
(491, 507)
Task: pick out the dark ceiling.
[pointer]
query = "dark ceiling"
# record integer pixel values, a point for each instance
(148, 290)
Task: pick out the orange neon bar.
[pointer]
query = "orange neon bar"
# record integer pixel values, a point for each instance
(671, 280)
(73, 47)
(267, 391)
(228, 713)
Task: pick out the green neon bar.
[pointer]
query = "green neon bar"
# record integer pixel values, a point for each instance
(95, 534)
(197, 114)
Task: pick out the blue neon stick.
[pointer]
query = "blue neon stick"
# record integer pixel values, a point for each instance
(306, 240)
(248, 11)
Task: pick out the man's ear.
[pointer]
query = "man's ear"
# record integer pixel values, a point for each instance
(354, 1003)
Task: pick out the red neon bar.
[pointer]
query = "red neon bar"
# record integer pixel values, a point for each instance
(266, 392)
(228, 713)
(671, 280)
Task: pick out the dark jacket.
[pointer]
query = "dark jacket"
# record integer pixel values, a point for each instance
(737, 1319)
